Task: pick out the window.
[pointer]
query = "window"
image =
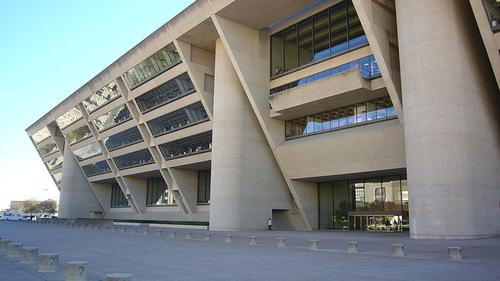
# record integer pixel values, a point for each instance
(48, 149)
(203, 187)
(55, 163)
(122, 139)
(189, 115)
(157, 192)
(165, 93)
(78, 134)
(69, 117)
(114, 117)
(41, 135)
(325, 34)
(105, 95)
(187, 146)
(97, 168)
(160, 61)
(345, 116)
(118, 199)
(87, 151)
(368, 68)
(134, 159)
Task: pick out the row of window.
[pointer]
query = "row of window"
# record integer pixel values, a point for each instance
(55, 163)
(97, 168)
(48, 149)
(112, 118)
(325, 34)
(41, 135)
(158, 194)
(336, 199)
(165, 93)
(105, 95)
(368, 69)
(134, 159)
(78, 134)
(160, 61)
(69, 117)
(187, 146)
(377, 109)
(180, 118)
(87, 151)
(122, 139)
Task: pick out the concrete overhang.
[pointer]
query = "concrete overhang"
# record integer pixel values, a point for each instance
(325, 94)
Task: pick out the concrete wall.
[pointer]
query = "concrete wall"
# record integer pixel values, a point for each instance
(246, 181)
(452, 130)
(76, 199)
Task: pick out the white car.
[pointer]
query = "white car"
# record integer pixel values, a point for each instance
(13, 217)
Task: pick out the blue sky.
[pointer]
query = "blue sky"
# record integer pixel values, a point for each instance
(48, 49)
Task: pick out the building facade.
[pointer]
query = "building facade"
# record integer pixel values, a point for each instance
(374, 115)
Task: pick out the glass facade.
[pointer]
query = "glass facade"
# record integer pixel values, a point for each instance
(118, 199)
(134, 159)
(123, 139)
(368, 68)
(41, 135)
(204, 187)
(342, 117)
(165, 93)
(97, 168)
(87, 151)
(157, 192)
(105, 95)
(186, 116)
(187, 146)
(48, 149)
(112, 118)
(372, 204)
(325, 34)
(152, 66)
(78, 134)
(69, 117)
(55, 163)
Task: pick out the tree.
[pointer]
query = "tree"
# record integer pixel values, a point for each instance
(48, 206)
(30, 207)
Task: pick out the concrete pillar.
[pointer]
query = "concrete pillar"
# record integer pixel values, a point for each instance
(29, 255)
(76, 271)
(49, 263)
(452, 126)
(76, 197)
(245, 177)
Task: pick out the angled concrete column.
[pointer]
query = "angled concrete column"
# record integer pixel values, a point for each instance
(452, 128)
(246, 182)
(76, 199)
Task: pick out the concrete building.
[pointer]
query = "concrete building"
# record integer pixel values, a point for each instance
(374, 115)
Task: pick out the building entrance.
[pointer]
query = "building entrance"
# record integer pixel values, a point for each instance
(374, 204)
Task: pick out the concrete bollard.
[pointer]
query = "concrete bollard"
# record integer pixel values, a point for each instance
(119, 277)
(313, 245)
(172, 234)
(455, 253)
(228, 238)
(146, 231)
(14, 250)
(158, 233)
(75, 271)
(207, 237)
(253, 240)
(29, 255)
(351, 247)
(280, 242)
(3, 246)
(398, 250)
(49, 263)
(189, 235)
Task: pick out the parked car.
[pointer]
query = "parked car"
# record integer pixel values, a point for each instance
(13, 217)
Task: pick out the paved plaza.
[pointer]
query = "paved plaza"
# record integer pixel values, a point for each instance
(155, 258)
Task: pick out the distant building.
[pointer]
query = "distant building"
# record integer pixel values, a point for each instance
(374, 115)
